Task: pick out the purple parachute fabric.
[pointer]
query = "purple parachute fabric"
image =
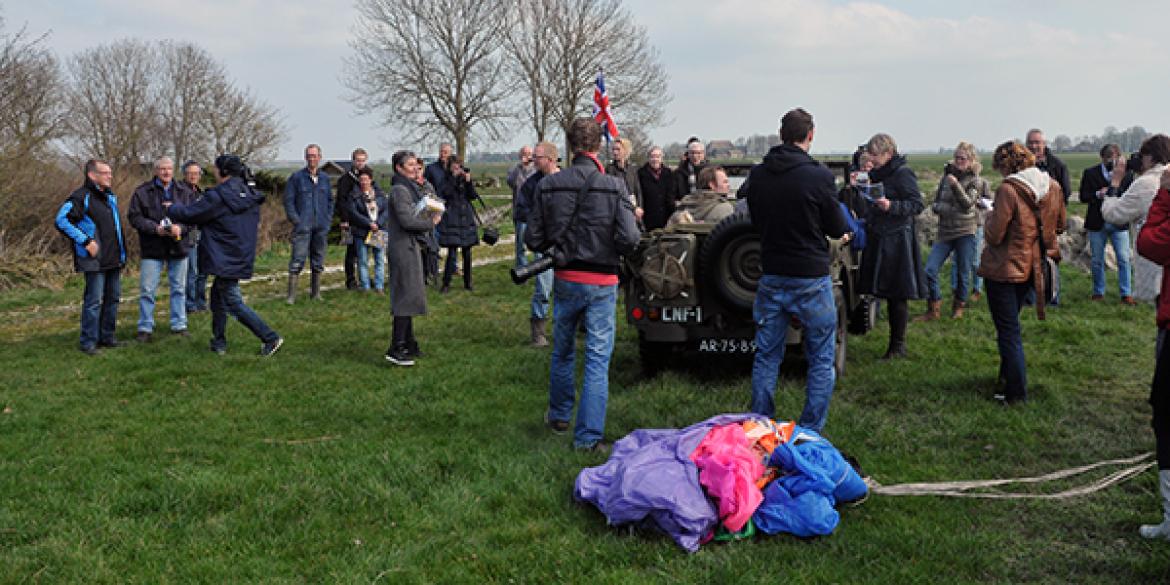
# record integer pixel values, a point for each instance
(649, 475)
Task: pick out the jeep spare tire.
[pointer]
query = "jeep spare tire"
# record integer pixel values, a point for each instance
(731, 260)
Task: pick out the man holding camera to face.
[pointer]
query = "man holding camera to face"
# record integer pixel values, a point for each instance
(1094, 189)
(584, 219)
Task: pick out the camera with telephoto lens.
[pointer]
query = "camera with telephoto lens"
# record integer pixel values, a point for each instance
(522, 274)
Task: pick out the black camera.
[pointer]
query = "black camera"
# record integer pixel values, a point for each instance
(522, 274)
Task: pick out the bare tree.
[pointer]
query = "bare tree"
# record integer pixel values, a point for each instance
(190, 77)
(528, 38)
(30, 91)
(244, 125)
(576, 38)
(113, 111)
(433, 68)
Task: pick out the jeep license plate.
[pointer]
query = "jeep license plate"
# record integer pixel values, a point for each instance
(682, 314)
(744, 346)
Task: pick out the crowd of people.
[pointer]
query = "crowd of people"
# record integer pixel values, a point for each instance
(586, 216)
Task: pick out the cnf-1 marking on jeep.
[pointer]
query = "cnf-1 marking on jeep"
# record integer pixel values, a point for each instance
(690, 288)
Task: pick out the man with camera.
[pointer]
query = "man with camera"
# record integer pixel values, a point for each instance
(793, 202)
(164, 244)
(584, 220)
(1095, 187)
(545, 159)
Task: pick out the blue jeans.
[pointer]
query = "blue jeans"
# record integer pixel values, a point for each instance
(310, 244)
(363, 253)
(964, 249)
(1005, 300)
(541, 291)
(196, 283)
(99, 307)
(778, 300)
(594, 305)
(521, 253)
(227, 300)
(1118, 238)
(973, 269)
(150, 271)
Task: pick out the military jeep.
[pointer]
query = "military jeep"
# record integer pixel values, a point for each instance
(690, 289)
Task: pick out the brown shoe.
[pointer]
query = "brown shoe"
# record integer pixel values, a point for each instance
(1097, 298)
(957, 309)
(933, 312)
(975, 297)
(144, 337)
(1127, 300)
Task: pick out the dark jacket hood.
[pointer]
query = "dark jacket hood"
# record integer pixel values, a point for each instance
(786, 157)
(238, 196)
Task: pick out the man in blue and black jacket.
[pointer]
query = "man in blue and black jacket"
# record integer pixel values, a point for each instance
(89, 218)
(793, 202)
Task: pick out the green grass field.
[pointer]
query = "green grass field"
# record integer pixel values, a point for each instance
(165, 463)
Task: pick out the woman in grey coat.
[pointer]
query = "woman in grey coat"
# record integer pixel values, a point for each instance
(406, 229)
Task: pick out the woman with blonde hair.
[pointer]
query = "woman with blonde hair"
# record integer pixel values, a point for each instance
(957, 207)
(1020, 230)
(891, 266)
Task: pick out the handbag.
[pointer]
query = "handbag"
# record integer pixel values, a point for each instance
(491, 234)
(1049, 270)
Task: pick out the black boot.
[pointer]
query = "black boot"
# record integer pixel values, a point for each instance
(315, 286)
(397, 354)
(899, 314)
(292, 288)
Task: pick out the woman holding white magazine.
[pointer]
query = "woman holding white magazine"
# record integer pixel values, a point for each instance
(412, 216)
(1133, 206)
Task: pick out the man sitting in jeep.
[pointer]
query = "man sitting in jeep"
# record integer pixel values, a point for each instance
(707, 205)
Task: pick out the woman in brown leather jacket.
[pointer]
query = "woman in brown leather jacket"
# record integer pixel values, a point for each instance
(1027, 203)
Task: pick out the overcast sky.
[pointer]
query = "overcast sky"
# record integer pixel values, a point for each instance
(929, 73)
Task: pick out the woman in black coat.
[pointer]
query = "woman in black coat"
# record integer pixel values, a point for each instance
(891, 266)
(457, 230)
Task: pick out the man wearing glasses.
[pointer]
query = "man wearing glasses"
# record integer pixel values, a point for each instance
(89, 217)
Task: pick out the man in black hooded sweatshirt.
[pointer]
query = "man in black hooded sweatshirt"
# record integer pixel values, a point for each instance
(793, 204)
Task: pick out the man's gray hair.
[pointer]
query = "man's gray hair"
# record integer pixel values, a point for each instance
(314, 145)
(160, 161)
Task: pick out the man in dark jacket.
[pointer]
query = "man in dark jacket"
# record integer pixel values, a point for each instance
(658, 191)
(619, 167)
(545, 158)
(516, 179)
(89, 218)
(196, 281)
(686, 176)
(585, 220)
(346, 185)
(1048, 162)
(308, 201)
(228, 215)
(1095, 188)
(163, 244)
(437, 174)
(793, 205)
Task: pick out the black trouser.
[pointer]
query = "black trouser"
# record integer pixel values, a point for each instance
(1160, 401)
(351, 280)
(449, 265)
(402, 333)
(899, 310)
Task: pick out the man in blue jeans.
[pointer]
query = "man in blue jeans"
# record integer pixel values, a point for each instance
(516, 179)
(89, 218)
(228, 215)
(793, 203)
(196, 281)
(545, 159)
(586, 221)
(164, 244)
(1095, 188)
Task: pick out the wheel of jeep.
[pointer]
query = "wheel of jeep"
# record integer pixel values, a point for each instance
(842, 331)
(731, 260)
